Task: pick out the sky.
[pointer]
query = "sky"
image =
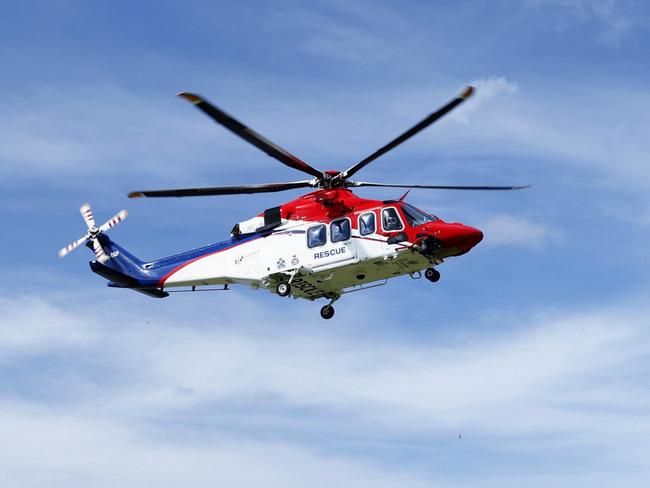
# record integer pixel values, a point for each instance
(526, 365)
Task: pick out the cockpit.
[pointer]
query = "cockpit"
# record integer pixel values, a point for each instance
(415, 216)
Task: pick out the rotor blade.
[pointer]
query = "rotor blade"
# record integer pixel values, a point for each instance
(113, 221)
(223, 190)
(87, 214)
(99, 251)
(71, 246)
(411, 132)
(437, 187)
(250, 135)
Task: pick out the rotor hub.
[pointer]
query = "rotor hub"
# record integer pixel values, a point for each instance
(93, 232)
(332, 178)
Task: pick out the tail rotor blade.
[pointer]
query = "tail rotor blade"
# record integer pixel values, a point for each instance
(71, 247)
(94, 233)
(113, 221)
(99, 251)
(87, 214)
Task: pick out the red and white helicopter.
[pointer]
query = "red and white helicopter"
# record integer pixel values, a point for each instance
(321, 245)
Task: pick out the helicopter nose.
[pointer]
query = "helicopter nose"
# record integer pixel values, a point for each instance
(471, 236)
(461, 236)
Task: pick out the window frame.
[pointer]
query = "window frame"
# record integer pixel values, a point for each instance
(374, 223)
(399, 217)
(349, 230)
(307, 235)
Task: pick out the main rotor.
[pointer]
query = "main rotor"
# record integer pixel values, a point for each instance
(320, 179)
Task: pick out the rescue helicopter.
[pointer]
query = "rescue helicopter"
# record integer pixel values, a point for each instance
(321, 245)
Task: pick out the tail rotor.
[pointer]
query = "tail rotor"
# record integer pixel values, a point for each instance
(87, 214)
(94, 232)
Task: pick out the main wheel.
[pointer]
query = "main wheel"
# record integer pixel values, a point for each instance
(327, 312)
(432, 274)
(283, 289)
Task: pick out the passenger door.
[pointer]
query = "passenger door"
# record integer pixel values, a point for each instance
(330, 244)
(369, 241)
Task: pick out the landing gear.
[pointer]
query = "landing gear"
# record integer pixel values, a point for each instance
(283, 289)
(327, 312)
(432, 274)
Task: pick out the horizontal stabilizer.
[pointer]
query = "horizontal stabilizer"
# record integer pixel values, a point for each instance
(121, 280)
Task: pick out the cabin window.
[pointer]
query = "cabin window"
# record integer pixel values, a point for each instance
(340, 230)
(390, 220)
(316, 236)
(367, 223)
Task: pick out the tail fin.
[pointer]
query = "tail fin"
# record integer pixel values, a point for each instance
(114, 263)
(124, 270)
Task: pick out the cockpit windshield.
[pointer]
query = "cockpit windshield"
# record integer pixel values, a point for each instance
(415, 216)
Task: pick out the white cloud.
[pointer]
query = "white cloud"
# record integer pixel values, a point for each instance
(615, 18)
(599, 130)
(46, 447)
(215, 394)
(31, 325)
(518, 231)
(103, 131)
(351, 32)
(486, 89)
(596, 130)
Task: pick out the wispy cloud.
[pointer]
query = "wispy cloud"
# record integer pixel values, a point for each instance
(571, 127)
(518, 231)
(102, 131)
(486, 89)
(615, 18)
(358, 33)
(594, 130)
(561, 380)
(32, 326)
(55, 448)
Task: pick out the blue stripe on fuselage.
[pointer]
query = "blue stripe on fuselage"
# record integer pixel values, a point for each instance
(149, 274)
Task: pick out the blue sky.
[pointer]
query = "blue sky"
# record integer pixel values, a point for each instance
(533, 347)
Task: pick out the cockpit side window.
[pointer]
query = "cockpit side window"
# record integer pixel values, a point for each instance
(340, 230)
(415, 216)
(316, 236)
(390, 220)
(367, 223)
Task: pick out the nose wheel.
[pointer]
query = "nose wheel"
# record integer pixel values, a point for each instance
(432, 274)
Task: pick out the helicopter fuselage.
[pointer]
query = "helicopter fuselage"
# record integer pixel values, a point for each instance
(324, 244)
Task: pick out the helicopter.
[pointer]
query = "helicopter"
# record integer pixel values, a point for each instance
(321, 245)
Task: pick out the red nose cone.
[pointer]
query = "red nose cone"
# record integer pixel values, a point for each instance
(466, 237)
(459, 236)
(474, 236)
